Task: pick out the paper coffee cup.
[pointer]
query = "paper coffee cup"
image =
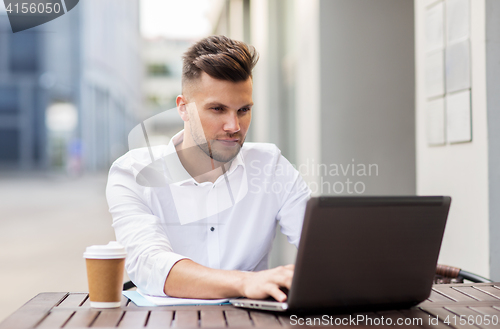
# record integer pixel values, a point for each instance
(105, 266)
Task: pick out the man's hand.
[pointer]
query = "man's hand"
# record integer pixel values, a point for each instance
(188, 279)
(260, 285)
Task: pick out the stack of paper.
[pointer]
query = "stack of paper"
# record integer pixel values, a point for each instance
(141, 299)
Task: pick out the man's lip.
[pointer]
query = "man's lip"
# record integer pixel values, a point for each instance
(228, 140)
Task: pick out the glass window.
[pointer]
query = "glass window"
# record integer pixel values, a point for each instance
(9, 99)
(23, 52)
(9, 145)
(158, 70)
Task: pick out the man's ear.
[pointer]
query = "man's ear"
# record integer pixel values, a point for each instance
(182, 107)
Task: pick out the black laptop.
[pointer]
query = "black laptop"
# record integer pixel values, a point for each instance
(364, 253)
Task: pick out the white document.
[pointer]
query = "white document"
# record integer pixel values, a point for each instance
(171, 301)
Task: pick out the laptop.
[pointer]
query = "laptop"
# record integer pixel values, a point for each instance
(364, 254)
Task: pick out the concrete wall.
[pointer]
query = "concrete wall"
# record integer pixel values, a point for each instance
(493, 105)
(353, 83)
(308, 89)
(367, 97)
(458, 170)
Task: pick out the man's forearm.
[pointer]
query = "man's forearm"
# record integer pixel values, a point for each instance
(188, 279)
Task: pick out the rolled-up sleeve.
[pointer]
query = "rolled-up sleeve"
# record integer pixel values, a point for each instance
(149, 253)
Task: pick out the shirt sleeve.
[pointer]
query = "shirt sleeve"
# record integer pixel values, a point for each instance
(149, 253)
(293, 199)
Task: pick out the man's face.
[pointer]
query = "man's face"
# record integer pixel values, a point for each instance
(223, 115)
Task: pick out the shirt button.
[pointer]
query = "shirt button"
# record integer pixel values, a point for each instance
(212, 229)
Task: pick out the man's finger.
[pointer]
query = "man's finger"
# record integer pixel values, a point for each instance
(288, 282)
(285, 279)
(277, 294)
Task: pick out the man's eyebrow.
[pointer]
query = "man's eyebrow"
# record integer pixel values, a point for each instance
(217, 104)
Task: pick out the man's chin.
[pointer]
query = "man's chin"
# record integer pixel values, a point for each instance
(225, 155)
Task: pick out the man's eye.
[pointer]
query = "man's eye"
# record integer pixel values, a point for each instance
(245, 109)
(217, 109)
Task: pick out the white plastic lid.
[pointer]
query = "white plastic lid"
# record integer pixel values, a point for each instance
(110, 251)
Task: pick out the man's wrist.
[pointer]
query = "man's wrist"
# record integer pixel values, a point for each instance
(241, 282)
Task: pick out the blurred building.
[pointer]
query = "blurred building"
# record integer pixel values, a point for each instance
(70, 88)
(411, 87)
(162, 59)
(162, 74)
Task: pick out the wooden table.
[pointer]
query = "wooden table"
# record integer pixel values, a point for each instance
(71, 310)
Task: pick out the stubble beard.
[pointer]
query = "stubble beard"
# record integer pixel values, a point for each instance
(213, 153)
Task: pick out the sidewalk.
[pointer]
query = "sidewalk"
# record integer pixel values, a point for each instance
(46, 221)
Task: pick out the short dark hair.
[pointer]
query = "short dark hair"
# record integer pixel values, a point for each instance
(221, 58)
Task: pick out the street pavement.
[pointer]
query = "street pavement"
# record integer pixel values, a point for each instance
(46, 222)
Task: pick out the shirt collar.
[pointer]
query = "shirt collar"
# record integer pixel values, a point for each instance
(178, 174)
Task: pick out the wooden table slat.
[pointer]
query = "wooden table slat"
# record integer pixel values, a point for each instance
(476, 294)
(108, 318)
(264, 320)
(73, 300)
(445, 314)
(285, 320)
(160, 319)
(186, 319)
(367, 315)
(86, 303)
(395, 316)
(489, 290)
(33, 311)
(237, 318)
(491, 311)
(476, 316)
(316, 319)
(436, 297)
(452, 293)
(400, 319)
(212, 318)
(134, 319)
(124, 301)
(486, 310)
(55, 319)
(82, 318)
(422, 319)
(56, 310)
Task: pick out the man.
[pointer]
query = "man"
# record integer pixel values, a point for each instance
(209, 231)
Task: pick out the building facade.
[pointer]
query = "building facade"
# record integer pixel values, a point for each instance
(87, 60)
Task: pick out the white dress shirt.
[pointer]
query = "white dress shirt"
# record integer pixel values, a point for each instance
(162, 215)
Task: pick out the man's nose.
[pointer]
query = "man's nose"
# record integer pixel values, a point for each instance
(232, 123)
